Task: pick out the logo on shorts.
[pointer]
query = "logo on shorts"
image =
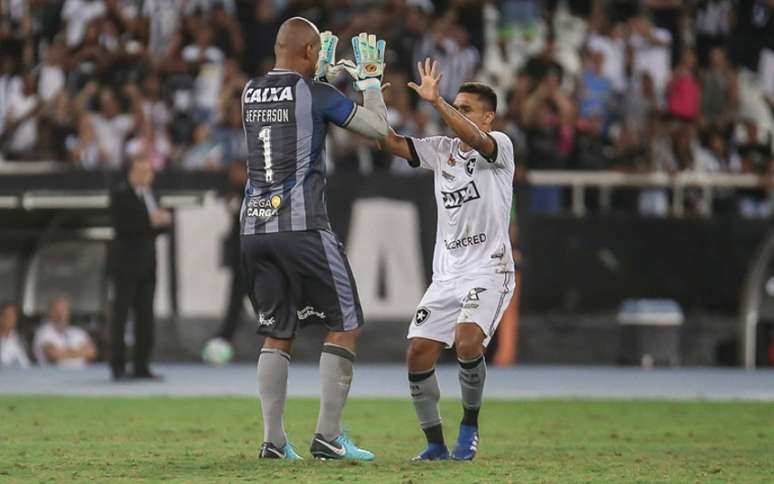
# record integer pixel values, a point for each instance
(470, 166)
(421, 316)
(308, 312)
(264, 321)
(473, 294)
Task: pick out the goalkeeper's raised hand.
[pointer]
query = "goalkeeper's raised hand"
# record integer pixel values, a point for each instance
(369, 62)
(327, 59)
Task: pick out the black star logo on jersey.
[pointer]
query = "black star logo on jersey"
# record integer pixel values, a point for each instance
(473, 294)
(422, 315)
(470, 165)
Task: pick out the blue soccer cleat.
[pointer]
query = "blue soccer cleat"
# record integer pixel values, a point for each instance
(467, 443)
(339, 448)
(271, 451)
(433, 452)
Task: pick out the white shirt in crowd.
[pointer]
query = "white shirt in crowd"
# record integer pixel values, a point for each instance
(653, 58)
(26, 134)
(766, 73)
(208, 85)
(614, 64)
(111, 134)
(51, 82)
(164, 17)
(462, 66)
(206, 5)
(71, 337)
(714, 17)
(78, 14)
(8, 86)
(446, 55)
(474, 199)
(12, 352)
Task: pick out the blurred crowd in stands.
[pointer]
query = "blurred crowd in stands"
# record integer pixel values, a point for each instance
(650, 85)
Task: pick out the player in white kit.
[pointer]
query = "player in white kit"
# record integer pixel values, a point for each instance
(473, 270)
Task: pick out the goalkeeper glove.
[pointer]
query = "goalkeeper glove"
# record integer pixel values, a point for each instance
(369, 62)
(327, 58)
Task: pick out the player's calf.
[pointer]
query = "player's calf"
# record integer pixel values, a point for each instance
(472, 376)
(425, 393)
(272, 371)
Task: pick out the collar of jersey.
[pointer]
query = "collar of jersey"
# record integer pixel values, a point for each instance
(277, 71)
(466, 155)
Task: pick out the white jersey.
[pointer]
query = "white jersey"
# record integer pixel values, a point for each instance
(474, 198)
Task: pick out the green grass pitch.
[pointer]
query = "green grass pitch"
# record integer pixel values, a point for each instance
(216, 440)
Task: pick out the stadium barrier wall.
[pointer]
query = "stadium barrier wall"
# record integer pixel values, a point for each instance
(576, 271)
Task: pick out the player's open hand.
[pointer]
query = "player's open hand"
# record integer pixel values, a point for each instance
(430, 80)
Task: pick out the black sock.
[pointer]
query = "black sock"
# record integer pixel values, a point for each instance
(470, 417)
(434, 434)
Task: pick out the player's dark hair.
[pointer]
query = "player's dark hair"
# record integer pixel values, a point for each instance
(484, 92)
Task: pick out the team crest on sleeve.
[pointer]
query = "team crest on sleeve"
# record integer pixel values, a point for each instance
(421, 316)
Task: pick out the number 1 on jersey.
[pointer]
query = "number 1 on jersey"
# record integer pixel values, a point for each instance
(265, 136)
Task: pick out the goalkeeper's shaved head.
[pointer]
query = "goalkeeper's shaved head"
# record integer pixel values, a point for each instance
(297, 46)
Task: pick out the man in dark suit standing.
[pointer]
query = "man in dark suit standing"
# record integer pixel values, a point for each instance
(137, 219)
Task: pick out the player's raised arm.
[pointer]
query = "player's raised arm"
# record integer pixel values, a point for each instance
(370, 119)
(399, 146)
(465, 129)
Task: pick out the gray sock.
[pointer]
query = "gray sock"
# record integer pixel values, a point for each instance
(273, 390)
(426, 394)
(335, 380)
(472, 377)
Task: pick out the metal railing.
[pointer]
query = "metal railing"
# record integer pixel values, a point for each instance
(678, 183)
(100, 199)
(577, 181)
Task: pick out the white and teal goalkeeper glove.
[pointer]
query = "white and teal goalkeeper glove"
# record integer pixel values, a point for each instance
(327, 59)
(369, 62)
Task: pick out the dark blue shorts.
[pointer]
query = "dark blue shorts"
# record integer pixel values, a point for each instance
(298, 278)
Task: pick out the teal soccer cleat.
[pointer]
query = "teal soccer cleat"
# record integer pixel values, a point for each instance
(271, 451)
(339, 448)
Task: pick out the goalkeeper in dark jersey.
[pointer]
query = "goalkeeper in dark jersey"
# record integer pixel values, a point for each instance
(295, 268)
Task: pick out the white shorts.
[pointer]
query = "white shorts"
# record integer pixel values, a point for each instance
(480, 299)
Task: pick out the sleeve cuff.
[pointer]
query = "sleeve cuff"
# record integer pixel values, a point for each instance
(493, 158)
(414, 161)
(350, 116)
